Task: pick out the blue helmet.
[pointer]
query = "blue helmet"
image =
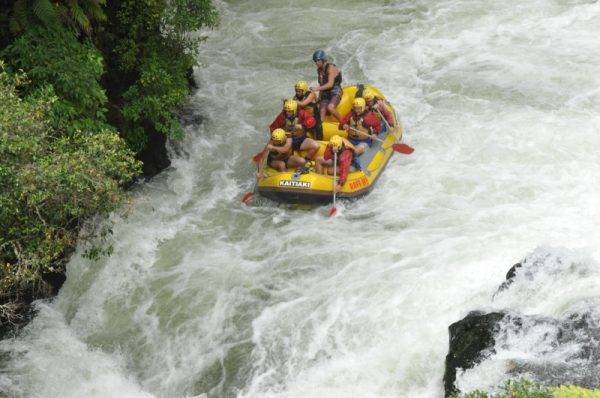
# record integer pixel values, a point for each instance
(319, 54)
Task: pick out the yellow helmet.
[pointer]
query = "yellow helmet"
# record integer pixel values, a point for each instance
(359, 103)
(369, 94)
(336, 142)
(290, 106)
(278, 135)
(301, 85)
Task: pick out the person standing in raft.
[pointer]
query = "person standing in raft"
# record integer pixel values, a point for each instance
(330, 85)
(308, 101)
(296, 122)
(345, 155)
(374, 104)
(280, 153)
(362, 126)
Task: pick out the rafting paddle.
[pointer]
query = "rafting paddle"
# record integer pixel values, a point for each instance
(247, 196)
(398, 147)
(258, 157)
(402, 148)
(259, 160)
(333, 210)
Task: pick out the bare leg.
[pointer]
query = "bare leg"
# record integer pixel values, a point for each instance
(360, 149)
(295, 161)
(323, 109)
(311, 147)
(331, 108)
(278, 165)
(322, 165)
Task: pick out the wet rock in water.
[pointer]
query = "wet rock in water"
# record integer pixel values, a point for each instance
(471, 340)
(510, 276)
(550, 351)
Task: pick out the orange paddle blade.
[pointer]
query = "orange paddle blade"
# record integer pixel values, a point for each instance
(403, 148)
(247, 196)
(257, 158)
(332, 212)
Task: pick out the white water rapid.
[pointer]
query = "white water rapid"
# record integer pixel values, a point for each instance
(204, 297)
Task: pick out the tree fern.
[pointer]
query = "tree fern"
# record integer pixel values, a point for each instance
(45, 12)
(18, 19)
(93, 9)
(78, 16)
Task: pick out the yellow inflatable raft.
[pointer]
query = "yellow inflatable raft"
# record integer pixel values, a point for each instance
(304, 185)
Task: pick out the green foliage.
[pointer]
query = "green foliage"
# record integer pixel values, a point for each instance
(575, 392)
(63, 162)
(184, 16)
(53, 57)
(75, 14)
(156, 96)
(526, 389)
(149, 52)
(513, 389)
(51, 184)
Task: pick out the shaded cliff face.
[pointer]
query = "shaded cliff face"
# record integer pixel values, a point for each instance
(204, 296)
(488, 348)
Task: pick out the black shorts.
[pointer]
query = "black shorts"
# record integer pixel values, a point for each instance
(271, 158)
(297, 141)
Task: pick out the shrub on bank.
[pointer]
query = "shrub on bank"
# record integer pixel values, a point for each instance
(527, 389)
(51, 183)
(101, 78)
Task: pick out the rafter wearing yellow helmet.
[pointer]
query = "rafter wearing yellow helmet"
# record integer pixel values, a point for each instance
(345, 155)
(308, 101)
(376, 105)
(362, 126)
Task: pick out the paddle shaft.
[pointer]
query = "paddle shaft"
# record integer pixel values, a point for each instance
(398, 147)
(334, 176)
(261, 160)
(364, 134)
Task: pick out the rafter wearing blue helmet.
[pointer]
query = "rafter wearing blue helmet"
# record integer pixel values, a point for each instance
(319, 54)
(330, 85)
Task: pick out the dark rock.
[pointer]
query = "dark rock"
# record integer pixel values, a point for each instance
(12, 323)
(18, 308)
(154, 155)
(190, 78)
(510, 276)
(558, 351)
(471, 339)
(55, 280)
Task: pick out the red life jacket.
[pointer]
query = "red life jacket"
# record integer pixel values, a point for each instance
(357, 122)
(311, 108)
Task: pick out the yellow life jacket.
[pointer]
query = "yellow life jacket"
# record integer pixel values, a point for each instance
(290, 127)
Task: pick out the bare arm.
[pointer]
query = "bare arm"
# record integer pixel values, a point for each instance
(261, 164)
(280, 149)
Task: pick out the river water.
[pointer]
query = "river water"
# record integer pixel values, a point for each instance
(204, 297)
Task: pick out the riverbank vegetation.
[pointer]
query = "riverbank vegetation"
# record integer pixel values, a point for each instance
(84, 84)
(527, 389)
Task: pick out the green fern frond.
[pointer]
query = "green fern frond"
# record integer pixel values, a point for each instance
(14, 26)
(80, 19)
(45, 12)
(18, 19)
(93, 9)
